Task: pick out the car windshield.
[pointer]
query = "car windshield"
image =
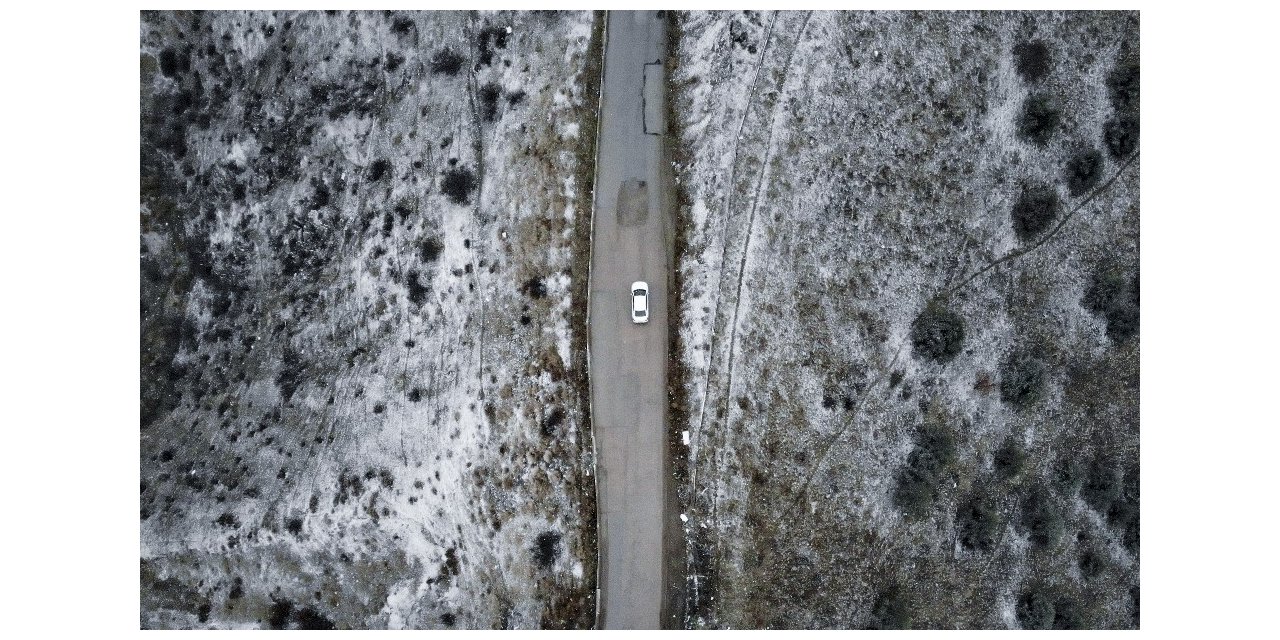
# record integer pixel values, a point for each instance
(638, 292)
(640, 312)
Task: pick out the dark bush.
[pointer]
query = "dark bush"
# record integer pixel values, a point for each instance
(284, 615)
(1042, 517)
(1022, 379)
(937, 333)
(293, 525)
(1034, 211)
(1036, 610)
(448, 619)
(228, 520)
(379, 169)
(552, 421)
(1120, 135)
(534, 288)
(319, 196)
(417, 291)
(169, 63)
(489, 38)
(401, 26)
(292, 373)
(1092, 563)
(1102, 486)
(1123, 513)
(919, 480)
(1083, 171)
(1114, 298)
(1009, 459)
(447, 61)
(430, 249)
(1123, 88)
(1040, 118)
(488, 96)
(393, 62)
(978, 524)
(1067, 614)
(892, 610)
(458, 183)
(1068, 475)
(546, 549)
(1032, 60)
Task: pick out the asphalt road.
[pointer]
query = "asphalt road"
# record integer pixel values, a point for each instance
(631, 241)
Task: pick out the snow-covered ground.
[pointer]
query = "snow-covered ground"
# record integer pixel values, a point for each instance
(849, 176)
(362, 241)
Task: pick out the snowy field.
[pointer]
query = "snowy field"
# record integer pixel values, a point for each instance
(908, 342)
(362, 253)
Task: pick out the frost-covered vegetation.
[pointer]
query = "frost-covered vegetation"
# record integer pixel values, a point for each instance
(908, 337)
(363, 383)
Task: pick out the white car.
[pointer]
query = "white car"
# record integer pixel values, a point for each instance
(640, 302)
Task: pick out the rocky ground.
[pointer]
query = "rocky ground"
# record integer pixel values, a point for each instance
(908, 347)
(363, 380)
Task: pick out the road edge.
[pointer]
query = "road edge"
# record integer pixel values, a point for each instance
(675, 569)
(600, 34)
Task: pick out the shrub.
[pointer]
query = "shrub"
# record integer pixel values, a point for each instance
(1092, 563)
(402, 26)
(379, 169)
(1032, 60)
(546, 549)
(393, 61)
(430, 249)
(488, 96)
(417, 291)
(1083, 171)
(1035, 610)
(1115, 299)
(319, 196)
(1034, 211)
(1120, 135)
(552, 421)
(937, 333)
(458, 183)
(1040, 118)
(1022, 379)
(169, 63)
(1042, 518)
(1123, 87)
(919, 480)
(1009, 459)
(447, 61)
(534, 288)
(1102, 486)
(1068, 475)
(284, 615)
(892, 610)
(1123, 514)
(978, 524)
(489, 38)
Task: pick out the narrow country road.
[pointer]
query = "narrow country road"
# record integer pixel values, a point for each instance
(631, 241)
